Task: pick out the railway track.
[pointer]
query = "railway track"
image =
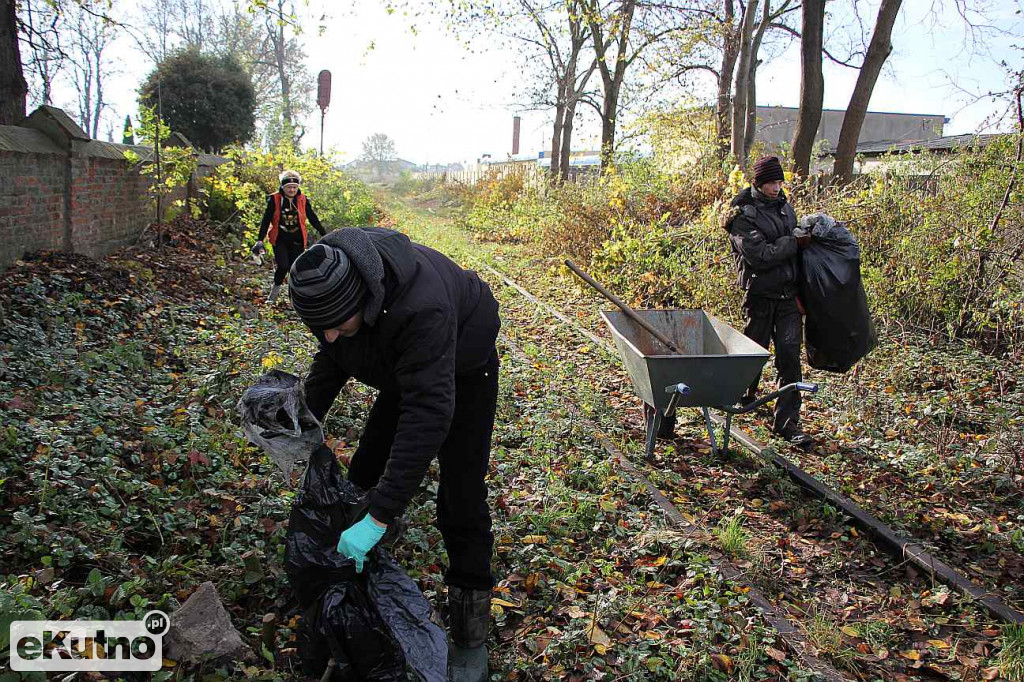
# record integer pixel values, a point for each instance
(797, 597)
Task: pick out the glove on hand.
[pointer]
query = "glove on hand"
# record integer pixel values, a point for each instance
(359, 539)
(803, 238)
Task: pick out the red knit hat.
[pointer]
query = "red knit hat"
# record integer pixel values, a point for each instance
(767, 169)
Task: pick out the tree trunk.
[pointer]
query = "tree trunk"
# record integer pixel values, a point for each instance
(723, 107)
(280, 48)
(13, 88)
(98, 108)
(608, 113)
(750, 122)
(812, 85)
(564, 165)
(742, 87)
(556, 138)
(576, 83)
(750, 132)
(878, 51)
(612, 80)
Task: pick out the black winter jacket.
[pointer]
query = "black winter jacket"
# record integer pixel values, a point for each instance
(763, 246)
(268, 215)
(437, 321)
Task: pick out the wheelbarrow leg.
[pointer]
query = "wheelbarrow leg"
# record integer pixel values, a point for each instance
(711, 430)
(725, 434)
(654, 419)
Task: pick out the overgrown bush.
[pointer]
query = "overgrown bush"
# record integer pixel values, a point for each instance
(239, 189)
(934, 255)
(407, 184)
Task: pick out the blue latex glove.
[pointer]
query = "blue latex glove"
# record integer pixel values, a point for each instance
(359, 539)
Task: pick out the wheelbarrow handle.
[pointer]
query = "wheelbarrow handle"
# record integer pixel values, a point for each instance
(788, 388)
(630, 313)
(681, 389)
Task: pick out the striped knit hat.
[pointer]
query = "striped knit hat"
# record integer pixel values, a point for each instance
(325, 287)
(768, 169)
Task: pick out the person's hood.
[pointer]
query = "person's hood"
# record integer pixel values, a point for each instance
(369, 248)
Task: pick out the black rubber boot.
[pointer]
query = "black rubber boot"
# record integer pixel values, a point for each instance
(470, 614)
(795, 436)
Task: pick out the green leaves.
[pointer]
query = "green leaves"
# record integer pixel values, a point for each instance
(208, 98)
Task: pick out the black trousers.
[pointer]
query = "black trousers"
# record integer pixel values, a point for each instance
(778, 321)
(287, 249)
(463, 516)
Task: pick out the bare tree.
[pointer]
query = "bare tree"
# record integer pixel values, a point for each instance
(878, 51)
(744, 109)
(158, 35)
(730, 53)
(744, 74)
(268, 47)
(611, 34)
(379, 152)
(41, 32)
(561, 36)
(724, 39)
(812, 85)
(196, 19)
(91, 35)
(275, 23)
(173, 24)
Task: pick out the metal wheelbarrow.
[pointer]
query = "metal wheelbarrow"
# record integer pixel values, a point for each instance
(686, 358)
(714, 366)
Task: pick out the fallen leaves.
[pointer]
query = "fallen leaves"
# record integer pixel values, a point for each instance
(598, 638)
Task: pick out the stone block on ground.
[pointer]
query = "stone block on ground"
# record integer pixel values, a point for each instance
(201, 630)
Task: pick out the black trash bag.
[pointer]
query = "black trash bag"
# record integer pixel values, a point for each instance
(275, 417)
(373, 623)
(838, 330)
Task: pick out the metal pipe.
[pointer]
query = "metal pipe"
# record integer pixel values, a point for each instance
(630, 313)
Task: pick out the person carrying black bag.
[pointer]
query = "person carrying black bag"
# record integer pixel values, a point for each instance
(763, 232)
(408, 321)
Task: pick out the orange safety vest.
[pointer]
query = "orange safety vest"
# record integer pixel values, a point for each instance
(300, 205)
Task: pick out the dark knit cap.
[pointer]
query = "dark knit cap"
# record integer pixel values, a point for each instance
(325, 287)
(767, 169)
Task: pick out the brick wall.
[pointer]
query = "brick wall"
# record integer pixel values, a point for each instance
(66, 192)
(31, 204)
(110, 205)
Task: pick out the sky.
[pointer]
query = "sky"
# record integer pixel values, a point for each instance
(442, 101)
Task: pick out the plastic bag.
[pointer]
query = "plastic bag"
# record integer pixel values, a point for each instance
(275, 417)
(820, 226)
(373, 623)
(838, 329)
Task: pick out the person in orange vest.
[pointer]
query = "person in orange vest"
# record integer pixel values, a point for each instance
(284, 224)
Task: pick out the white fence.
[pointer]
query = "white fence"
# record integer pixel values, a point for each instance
(531, 174)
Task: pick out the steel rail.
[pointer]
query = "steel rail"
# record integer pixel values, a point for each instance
(896, 545)
(790, 632)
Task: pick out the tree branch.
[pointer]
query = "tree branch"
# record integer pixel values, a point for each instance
(796, 34)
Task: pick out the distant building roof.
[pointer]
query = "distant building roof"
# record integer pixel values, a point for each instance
(945, 143)
(843, 111)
